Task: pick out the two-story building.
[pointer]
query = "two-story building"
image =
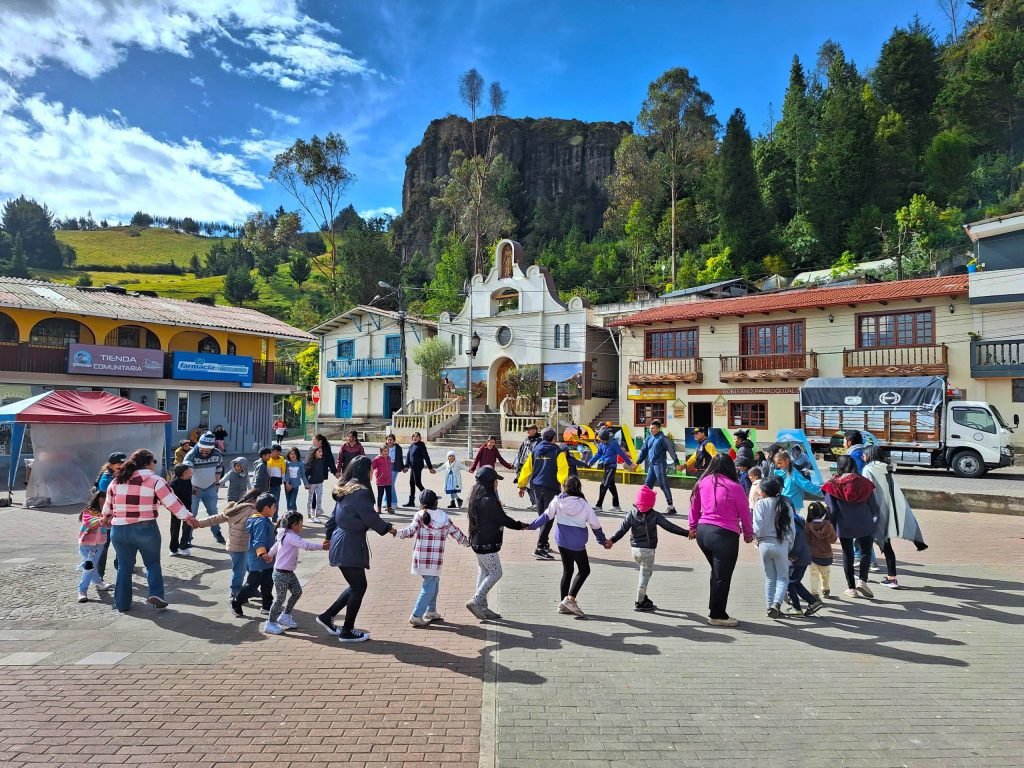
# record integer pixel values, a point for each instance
(516, 313)
(740, 362)
(204, 364)
(361, 364)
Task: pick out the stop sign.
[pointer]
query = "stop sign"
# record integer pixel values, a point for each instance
(315, 394)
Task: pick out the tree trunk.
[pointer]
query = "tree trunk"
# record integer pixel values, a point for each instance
(673, 246)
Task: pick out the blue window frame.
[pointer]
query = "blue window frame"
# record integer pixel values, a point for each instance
(392, 346)
(346, 350)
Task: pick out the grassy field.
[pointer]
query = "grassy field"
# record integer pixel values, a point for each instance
(152, 246)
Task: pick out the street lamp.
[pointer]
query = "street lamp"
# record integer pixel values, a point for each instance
(474, 346)
(401, 327)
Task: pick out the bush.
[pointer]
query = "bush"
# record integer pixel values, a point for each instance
(84, 281)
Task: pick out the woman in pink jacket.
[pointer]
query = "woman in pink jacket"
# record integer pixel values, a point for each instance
(718, 516)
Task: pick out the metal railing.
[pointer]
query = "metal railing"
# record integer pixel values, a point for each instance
(364, 368)
(921, 358)
(997, 358)
(666, 369)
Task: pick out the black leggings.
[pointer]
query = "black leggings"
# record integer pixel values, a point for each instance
(383, 497)
(890, 559)
(415, 482)
(579, 559)
(865, 543)
(351, 599)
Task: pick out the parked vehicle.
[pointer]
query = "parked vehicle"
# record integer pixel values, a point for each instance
(916, 420)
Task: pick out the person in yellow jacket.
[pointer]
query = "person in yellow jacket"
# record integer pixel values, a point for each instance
(544, 471)
(701, 458)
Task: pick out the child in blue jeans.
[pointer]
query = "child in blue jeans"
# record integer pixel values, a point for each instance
(92, 537)
(799, 560)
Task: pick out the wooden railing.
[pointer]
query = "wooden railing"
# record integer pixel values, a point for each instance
(919, 360)
(652, 371)
(428, 417)
(997, 359)
(803, 365)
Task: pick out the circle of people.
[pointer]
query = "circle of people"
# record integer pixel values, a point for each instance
(757, 497)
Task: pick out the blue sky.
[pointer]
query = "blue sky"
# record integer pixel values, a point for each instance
(177, 107)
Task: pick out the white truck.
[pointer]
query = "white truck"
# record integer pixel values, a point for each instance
(916, 420)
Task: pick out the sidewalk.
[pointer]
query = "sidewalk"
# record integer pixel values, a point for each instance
(924, 676)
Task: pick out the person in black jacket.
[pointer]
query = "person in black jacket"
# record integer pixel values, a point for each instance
(642, 524)
(319, 441)
(417, 458)
(397, 467)
(487, 521)
(525, 450)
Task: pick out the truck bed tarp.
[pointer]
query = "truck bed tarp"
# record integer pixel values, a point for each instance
(895, 393)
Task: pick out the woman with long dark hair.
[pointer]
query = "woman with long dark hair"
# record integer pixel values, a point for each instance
(850, 499)
(346, 529)
(319, 441)
(133, 498)
(416, 458)
(718, 516)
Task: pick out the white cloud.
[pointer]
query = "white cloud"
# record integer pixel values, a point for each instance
(386, 210)
(256, 149)
(197, 80)
(91, 37)
(74, 162)
(277, 115)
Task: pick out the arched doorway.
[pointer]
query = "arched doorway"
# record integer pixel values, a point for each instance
(496, 384)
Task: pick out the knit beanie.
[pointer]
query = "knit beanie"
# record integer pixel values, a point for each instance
(208, 441)
(645, 498)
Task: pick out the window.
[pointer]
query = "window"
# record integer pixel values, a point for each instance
(671, 344)
(645, 413)
(392, 346)
(773, 338)
(56, 332)
(161, 399)
(125, 393)
(460, 343)
(453, 341)
(558, 336)
(232, 349)
(8, 328)
(1018, 390)
(124, 336)
(749, 414)
(565, 336)
(505, 300)
(209, 346)
(899, 329)
(975, 418)
(504, 336)
(346, 350)
(182, 411)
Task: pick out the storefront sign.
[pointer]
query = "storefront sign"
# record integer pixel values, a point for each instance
(746, 391)
(189, 365)
(651, 393)
(678, 410)
(115, 361)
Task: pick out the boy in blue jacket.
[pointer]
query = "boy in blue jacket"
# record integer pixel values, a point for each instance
(607, 458)
(260, 563)
(657, 448)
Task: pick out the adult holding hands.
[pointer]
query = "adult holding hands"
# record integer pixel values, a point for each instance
(354, 515)
(133, 498)
(718, 516)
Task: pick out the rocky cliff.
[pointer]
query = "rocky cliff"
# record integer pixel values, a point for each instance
(561, 162)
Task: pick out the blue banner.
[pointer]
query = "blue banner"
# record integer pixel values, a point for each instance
(200, 367)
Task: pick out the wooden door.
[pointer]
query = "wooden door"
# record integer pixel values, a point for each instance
(499, 384)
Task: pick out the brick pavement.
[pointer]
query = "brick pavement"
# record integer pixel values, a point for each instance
(921, 677)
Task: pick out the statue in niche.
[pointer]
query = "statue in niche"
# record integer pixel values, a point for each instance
(506, 260)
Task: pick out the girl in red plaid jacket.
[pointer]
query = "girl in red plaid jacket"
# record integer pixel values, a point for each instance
(431, 527)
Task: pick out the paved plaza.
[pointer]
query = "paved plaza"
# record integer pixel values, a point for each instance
(925, 676)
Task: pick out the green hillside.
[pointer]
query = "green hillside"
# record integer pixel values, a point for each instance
(152, 246)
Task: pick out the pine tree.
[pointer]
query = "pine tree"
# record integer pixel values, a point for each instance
(239, 286)
(796, 130)
(19, 264)
(299, 268)
(907, 79)
(741, 213)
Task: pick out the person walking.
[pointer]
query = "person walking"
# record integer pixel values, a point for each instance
(525, 449)
(294, 478)
(236, 514)
(795, 485)
(397, 467)
(207, 467)
(850, 499)
(417, 458)
(773, 528)
(607, 459)
(744, 447)
(321, 442)
(544, 471)
(280, 429)
(132, 502)
(317, 471)
(718, 516)
(853, 442)
(103, 480)
(181, 534)
(821, 535)
(654, 455)
(896, 519)
(348, 451)
(276, 468)
(237, 478)
(93, 534)
(489, 456)
(346, 529)
(285, 554)
(701, 458)
(487, 523)
(259, 562)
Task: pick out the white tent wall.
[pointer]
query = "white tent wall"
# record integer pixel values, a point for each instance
(68, 457)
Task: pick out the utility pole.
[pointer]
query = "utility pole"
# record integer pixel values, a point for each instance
(400, 293)
(470, 357)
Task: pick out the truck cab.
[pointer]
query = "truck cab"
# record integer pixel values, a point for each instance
(976, 438)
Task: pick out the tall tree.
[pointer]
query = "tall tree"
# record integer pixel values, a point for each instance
(314, 173)
(677, 118)
(471, 91)
(797, 129)
(33, 223)
(239, 286)
(742, 218)
(907, 79)
(299, 268)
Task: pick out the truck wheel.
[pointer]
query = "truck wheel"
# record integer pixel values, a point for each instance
(968, 464)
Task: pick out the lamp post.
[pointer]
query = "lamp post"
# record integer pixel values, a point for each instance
(401, 327)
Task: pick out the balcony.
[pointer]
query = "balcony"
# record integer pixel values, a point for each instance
(365, 368)
(740, 368)
(271, 372)
(920, 360)
(655, 371)
(997, 359)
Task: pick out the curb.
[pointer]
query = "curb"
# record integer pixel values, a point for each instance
(989, 503)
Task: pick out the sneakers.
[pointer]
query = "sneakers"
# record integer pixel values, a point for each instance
(410, 502)
(185, 552)
(774, 611)
(157, 602)
(572, 606)
(730, 622)
(826, 592)
(236, 609)
(327, 624)
(851, 592)
(532, 508)
(670, 511)
(862, 587)
(264, 611)
(272, 628)
(435, 616)
(83, 598)
(644, 606)
(418, 621)
(875, 568)
(476, 610)
(543, 554)
(617, 510)
(562, 608)
(598, 508)
(813, 608)
(451, 504)
(890, 582)
(286, 621)
(489, 614)
(104, 587)
(352, 636)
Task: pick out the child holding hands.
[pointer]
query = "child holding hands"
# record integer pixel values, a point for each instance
(285, 555)
(92, 536)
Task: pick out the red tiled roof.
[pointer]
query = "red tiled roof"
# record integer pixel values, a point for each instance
(953, 285)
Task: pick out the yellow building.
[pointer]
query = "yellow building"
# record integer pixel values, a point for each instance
(203, 364)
